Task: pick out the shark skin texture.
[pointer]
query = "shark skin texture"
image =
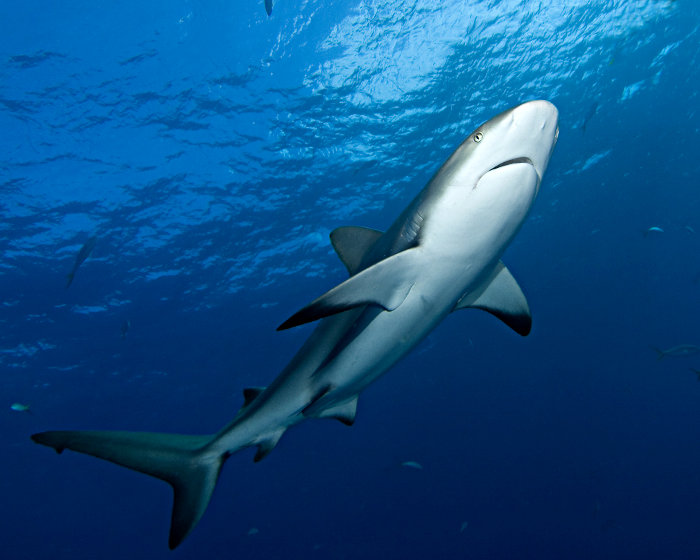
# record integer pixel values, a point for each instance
(440, 255)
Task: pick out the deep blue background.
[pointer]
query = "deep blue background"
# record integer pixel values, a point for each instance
(212, 149)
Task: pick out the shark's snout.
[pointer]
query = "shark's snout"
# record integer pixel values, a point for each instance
(539, 112)
(538, 122)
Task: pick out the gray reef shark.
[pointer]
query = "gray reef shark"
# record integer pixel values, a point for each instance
(441, 254)
(677, 351)
(80, 258)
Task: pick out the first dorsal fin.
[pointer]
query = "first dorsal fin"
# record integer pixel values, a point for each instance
(385, 284)
(352, 243)
(503, 298)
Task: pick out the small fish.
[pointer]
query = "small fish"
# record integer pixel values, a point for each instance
(83, 254)
(591, 113)
(412, 465)
(126, 325)
(253, 531)
(652, 229)
(268, 7)
(465, 524)
(19, 407)
(678, 351)
(689, 229)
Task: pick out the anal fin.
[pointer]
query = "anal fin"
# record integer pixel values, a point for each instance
(267, 444)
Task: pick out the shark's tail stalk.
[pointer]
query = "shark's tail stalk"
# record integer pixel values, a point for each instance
(183, 461)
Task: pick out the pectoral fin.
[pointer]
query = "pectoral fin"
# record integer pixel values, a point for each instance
(503, 298)
(352, 243)
(385, 284)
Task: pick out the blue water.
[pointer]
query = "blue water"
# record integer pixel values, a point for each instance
(211, 149)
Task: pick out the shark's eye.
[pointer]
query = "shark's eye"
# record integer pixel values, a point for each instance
(478, 136)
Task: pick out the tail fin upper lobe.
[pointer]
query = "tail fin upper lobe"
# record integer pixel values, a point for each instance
(181, 460)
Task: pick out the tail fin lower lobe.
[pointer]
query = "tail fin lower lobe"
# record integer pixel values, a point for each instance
(180, 460)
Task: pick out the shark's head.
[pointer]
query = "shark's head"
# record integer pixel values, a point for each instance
(526, 133)
(488, 185)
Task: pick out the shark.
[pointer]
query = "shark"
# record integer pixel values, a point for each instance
(442, 254)
(677, 351)
(80, 258)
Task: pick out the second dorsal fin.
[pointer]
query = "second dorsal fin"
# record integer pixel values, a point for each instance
(250, 394)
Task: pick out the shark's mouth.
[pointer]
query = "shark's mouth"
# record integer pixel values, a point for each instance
(514, 160)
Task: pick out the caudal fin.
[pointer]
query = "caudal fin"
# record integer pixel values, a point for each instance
(180, 460)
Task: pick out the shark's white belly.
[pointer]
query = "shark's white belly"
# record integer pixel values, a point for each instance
(392, 334)
(455, 257)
